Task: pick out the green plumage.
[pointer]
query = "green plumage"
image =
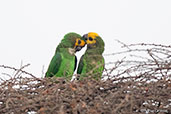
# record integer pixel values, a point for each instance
(92, 62)
(64, 60)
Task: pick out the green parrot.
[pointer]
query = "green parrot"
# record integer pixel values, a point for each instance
(64, 62)
(92, 62)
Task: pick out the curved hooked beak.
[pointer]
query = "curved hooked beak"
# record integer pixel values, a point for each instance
(78, 48)
(85, 37)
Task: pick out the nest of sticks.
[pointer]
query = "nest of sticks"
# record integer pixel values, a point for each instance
(137, 83)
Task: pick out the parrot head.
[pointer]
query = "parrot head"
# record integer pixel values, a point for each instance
(73, 41)
(94, 41)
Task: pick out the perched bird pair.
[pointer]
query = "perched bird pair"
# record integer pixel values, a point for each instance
(64, 62)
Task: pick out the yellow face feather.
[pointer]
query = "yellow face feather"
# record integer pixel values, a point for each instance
(91, 38)
(79, 42)
(92, 34)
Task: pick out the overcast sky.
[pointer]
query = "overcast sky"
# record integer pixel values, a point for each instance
(30, 30)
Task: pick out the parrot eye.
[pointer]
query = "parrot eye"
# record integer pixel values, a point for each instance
(79, 42)
(90, 38)
(86, 39)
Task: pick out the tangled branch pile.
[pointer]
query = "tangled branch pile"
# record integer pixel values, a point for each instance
(134, 84)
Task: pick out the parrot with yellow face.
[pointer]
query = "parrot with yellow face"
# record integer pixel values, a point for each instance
(64, 61)
(92, 62)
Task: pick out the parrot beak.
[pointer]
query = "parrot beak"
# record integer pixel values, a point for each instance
(85, 37)
(78, 48)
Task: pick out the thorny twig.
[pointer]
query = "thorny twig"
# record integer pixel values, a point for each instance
(135, 84)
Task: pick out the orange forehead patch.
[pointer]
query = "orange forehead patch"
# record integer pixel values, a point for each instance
(92, 35)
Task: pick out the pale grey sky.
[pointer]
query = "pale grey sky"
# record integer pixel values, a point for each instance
(31, 29)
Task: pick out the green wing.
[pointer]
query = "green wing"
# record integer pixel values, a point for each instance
(80, 65)
(54, 65)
